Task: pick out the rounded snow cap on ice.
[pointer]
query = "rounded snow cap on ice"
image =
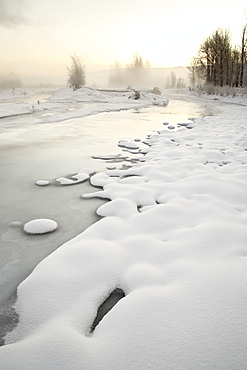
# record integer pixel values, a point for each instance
(40, 226)
(42, 182)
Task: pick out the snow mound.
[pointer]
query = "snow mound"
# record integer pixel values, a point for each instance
(81, 176)
(111, 167)
(127, 144)
(40, 226)
(42, 182)
(107, 101)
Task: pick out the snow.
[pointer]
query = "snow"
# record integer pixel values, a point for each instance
(40, 226)
(173, 237)
(42, 182)
(62, 102)
(225, 94)
(127, 144)
(111, 167)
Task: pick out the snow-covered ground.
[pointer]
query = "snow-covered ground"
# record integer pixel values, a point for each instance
(224, 94)
(171, 244)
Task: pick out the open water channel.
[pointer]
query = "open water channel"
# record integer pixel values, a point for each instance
(31, 151)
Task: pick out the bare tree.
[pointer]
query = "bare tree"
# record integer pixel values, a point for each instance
(168, 82)
(116, 77)
(137, 62)
(137, 72)
(215, 58)
(76, 73)
(173, 79)
(235, 71)
(193, 71)
(180, 83)
(243, 53)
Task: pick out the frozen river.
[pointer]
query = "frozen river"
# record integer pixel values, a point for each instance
(32, 150)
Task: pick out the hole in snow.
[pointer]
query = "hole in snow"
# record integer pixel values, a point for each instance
(106, 306)
(139, 208)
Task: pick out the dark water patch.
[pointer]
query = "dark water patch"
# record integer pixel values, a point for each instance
(9, 318)
(106, 306)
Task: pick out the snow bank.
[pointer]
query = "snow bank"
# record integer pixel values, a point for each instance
(173, 237)
(225, 93)
(63, 100)
(20, 101)
(14, 109)
(107, 101)
(19, 93)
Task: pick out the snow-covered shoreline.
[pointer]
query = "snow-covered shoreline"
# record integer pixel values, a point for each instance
(63, 100)
(173, 237)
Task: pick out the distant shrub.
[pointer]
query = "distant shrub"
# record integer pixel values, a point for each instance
(76, 73)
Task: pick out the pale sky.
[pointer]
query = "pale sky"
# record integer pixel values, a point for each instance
(37, 37)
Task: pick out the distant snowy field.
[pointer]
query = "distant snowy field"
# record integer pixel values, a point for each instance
(173, 241)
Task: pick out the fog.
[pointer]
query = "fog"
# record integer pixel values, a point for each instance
(160, 77)
(149, 77)
(38, 37)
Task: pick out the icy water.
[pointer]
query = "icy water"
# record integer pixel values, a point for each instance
(32, 151)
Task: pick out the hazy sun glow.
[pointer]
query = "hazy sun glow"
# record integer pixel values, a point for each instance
(38, 37)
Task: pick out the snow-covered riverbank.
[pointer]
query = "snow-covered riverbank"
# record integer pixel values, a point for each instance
(60, 105)
(173, 238)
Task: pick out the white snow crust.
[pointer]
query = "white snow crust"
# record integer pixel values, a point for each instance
(174, 237)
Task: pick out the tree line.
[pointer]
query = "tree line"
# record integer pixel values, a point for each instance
(135, 73)
(139, 73)
(218, 62)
